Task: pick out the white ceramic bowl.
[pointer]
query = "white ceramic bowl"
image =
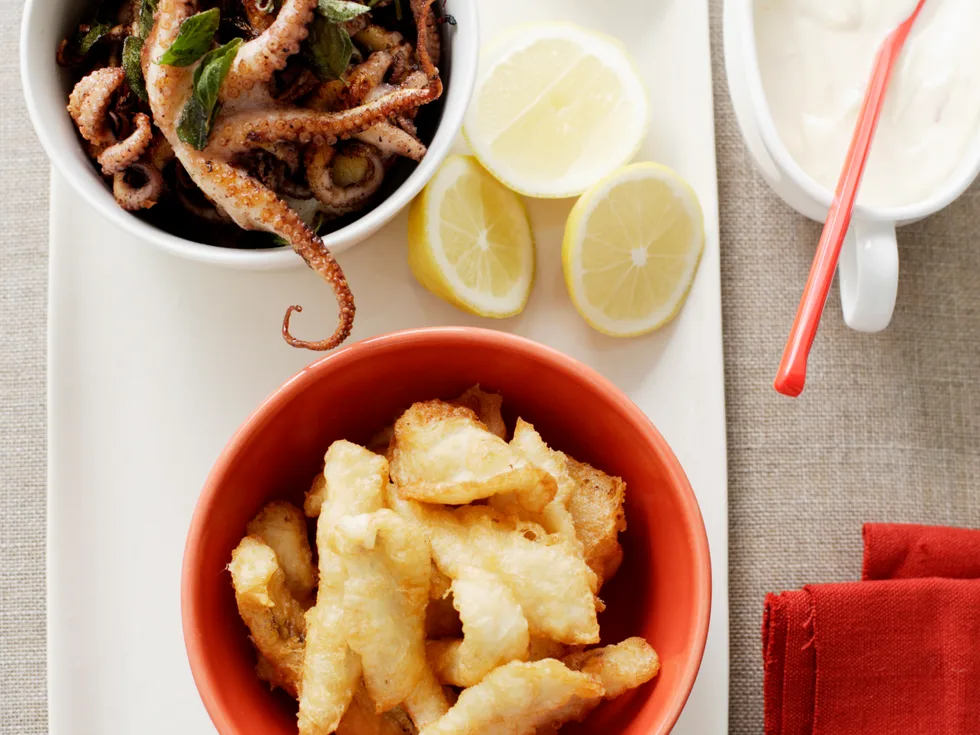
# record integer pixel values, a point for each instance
(46, 87)
(869, 261)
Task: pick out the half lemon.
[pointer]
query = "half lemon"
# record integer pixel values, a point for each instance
(631, 249)
(556, 108)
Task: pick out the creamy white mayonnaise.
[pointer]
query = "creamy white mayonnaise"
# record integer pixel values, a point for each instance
(815, 58)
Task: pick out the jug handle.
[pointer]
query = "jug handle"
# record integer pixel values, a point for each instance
(868, 272)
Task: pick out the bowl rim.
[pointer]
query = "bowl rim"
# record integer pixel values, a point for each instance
(463, 64)
(207, 501)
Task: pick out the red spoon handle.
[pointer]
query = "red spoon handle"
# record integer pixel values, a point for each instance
(791, 376)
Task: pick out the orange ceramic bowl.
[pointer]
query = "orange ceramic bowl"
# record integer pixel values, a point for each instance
(662, 592)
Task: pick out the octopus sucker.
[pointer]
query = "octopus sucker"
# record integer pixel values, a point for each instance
(267, 124)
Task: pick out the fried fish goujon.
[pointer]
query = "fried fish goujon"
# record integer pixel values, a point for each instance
(274, 619)
(596, 507)
(441, 453)
(354, 481)
(621, 667)
(554, 517)
(516, 699)
(385, 594)
(282, 526)
(548, 578)
(495, 630)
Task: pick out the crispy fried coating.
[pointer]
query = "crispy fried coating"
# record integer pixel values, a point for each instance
(486, 406)
(495, 630)
(362, 718)
(541, 648)
(267, 673)
(385, 594)
(547, 577)
(555, 517)
(355, 480)
(331, 671)
(516, 699)
(282, 526)
(441, 453)
(619, 668)
(273, 617)
(597, 511)
(315, 495)
(428, 702)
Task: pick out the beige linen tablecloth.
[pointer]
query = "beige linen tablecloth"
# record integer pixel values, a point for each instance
(889, 428)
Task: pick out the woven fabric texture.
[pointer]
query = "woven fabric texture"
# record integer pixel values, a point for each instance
(888, 430)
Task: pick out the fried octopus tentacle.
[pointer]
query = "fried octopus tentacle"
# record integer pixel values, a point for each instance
(258, 59)
(376, 38)
(133, 197)
(365, 77)
(319, 174)
(255, 129)
(321, 260)
(429, 44)
(250, 204)
(391, 140)
(120, 156)
(89, 103)
(255, 207)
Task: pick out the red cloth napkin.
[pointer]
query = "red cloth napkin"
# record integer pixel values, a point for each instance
(898, 653)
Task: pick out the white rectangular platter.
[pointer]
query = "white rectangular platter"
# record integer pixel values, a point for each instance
(155, 361)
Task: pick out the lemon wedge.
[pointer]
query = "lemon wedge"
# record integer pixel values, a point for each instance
(631, 249)
(470, 241)
(556, 108)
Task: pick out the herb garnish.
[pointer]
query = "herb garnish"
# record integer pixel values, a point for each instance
(328, 49)
(341, 11)
(193, 40)
(147, 9)
(197, 117)
(132, 47)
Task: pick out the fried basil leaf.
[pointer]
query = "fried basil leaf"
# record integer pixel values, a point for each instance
(147, 9)
(197, 117)
(193, 40)
(341, 11)
(132, 47)
(327, 49)
(84, 42)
